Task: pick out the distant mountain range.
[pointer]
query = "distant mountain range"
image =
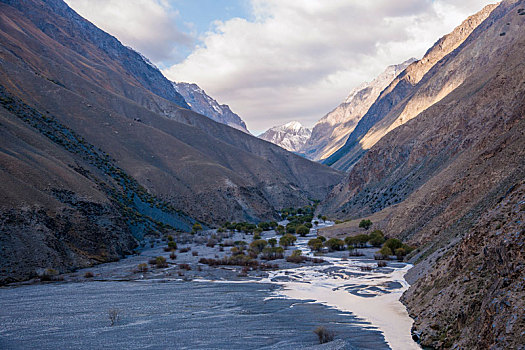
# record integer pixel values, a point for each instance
(291, 136)
(203, 104)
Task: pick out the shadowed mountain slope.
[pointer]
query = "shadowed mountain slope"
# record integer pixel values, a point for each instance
(436, 181)
(156, 160)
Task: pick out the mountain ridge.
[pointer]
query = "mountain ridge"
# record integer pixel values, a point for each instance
(202, 103)
(290, 136)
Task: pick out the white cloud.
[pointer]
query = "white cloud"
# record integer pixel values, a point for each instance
(297, 59)
(148, 26)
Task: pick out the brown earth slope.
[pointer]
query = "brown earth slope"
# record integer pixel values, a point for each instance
(211, 171)
(418, 87)
(96, 150)
(433, 180)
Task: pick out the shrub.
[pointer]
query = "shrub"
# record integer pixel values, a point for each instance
(315, 244)
(264, 226)
(302, 230)
(322, 238)
(316, 223)
(196, 227)
(256, 236)
(365, 224)
(90, 274)
(170, 238)
(272, 242)
(49, 275)
(393, 244)
(113, 315)
(335, 244)
(384, 252)
(272, 253)
(324, 334)
(308, 224)
(376, 238)
(160, 262)
(400, 253)
(287, 240)
(258, 245)
(172, 245)
(296, 257)
(143, 267)
(280, 229)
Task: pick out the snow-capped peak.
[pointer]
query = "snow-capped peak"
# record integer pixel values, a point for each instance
(290, 136)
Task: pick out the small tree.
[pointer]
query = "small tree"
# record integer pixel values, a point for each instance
(324, 218)
(272, 242)
(393, 244)
(280, 229)
(287, 240)
(376, 238)
(365, 224)
(302, 230)
(335, 244)
(258, 245)
(315, 244)
(385, 252)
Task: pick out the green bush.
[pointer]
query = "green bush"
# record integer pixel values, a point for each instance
(280, 230)
(315, 244)
(272, 253)
(258, 245)
(334, 244)
(272, 242)
(365, 224)
(376, 238)
(160, 262)
(302, 230)
(172, 245)
(287, 240)
(296, 257)
(385, 252)
(393, 244)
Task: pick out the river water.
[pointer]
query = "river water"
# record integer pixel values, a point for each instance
(278, 312)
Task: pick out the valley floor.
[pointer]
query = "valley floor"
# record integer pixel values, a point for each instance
(213, 307)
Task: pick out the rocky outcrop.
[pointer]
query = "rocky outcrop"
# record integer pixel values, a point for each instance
(474, 296)
(331, 132)
(291, 136)
(422, 84)
(438, 179)
(203, 104)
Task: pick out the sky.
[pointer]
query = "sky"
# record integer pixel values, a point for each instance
(274, 61)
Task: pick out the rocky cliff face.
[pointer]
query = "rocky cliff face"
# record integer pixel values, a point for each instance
(331, 132)
(203, 104)
(405, 97)
(440, 180)
(291, 136)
